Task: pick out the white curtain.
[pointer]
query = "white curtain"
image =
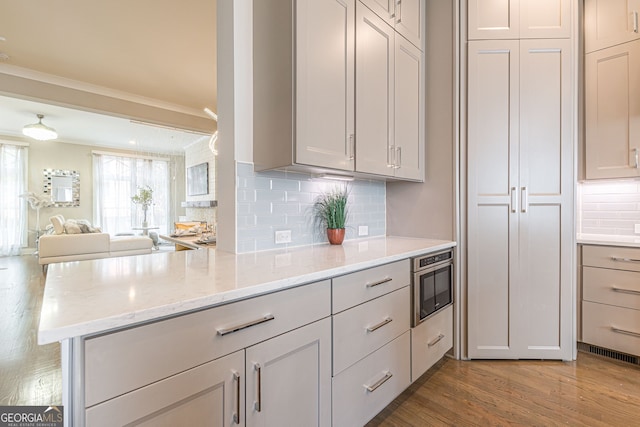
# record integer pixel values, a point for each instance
(13, 208)
(116, 180)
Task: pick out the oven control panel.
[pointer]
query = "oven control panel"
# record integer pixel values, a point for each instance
(434, 259)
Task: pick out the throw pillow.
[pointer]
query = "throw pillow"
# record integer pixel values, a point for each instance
(72, 227)
(86, 226)
(58, 224)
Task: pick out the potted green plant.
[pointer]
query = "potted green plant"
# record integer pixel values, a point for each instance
(144, 198)
(330, 211)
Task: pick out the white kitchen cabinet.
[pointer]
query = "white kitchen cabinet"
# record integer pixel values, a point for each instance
(612, 98)
(406, 16)
(515, 19)
(303, 84)
(611, 298)
(430, 341)
(208, 395)
(389, 100)
(520, 199)
(610, 22)
(289, 378)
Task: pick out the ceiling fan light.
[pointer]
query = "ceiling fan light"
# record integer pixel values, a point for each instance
(39, 131)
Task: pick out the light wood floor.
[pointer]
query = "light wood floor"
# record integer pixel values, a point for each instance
(588, 392)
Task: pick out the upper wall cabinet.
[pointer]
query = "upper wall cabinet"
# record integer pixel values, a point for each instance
(303, 84)
(612, 99)
(389, 100)
(610, 22)
(519, 19)
(406, 16)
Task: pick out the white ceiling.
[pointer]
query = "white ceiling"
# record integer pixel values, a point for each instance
(161, 50)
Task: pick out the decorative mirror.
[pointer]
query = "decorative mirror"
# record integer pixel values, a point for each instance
(63, 186)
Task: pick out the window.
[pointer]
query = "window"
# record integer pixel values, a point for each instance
(117, 179)
(13, 208)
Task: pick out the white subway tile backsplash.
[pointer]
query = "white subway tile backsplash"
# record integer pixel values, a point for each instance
(608, 207)
(276, 200)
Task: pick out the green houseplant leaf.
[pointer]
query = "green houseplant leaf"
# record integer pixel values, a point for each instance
(330, 208)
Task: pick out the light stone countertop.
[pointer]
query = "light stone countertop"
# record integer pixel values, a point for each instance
(88, 297)
(606, 240)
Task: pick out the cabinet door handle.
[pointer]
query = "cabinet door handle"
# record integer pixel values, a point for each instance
(615, 258)
(514, 200)
(386, 321)
(371, 388)
(393, 13)
(398, 12)
(379, 282)
(391, 157)
(625, 291)
(524, 199)
(625, 332)
(232, 329)
(398, 158)
(351, 151)
(635, 158)
(635, 21)
(257, 405)
(236, 416)
(435, 341)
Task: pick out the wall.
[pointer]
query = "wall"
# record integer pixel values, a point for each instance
(196, 154)
(610, 207)
(60, 155)
(432, 207)
(278, 200)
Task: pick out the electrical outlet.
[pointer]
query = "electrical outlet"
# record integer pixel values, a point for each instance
(363, 230)
(283, 236)
(637, 229)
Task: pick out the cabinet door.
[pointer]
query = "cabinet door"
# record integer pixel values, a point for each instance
(409, 111)
(612, 80)
(549, 19)
(289, 378)
(209, 395)
(375, 48)
(493, 19)
(492, 183)
(410, 17)
(324, 83)
(543, 310)
(610, 22)
(513, 19)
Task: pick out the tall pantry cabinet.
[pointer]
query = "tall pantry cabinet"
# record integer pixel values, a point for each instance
(520, 180)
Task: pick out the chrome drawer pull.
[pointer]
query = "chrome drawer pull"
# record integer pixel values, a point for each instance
(615, 258)
(257, 405)
(625, 332)
(386, 321)
(625, 291)
(385, 280)
(436, 341)
(371, 388)
(232, 329)
(236, 416)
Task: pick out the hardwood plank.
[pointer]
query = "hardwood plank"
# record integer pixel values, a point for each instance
(29, 374)
(591, 391)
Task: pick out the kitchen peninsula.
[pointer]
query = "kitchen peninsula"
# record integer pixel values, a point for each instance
(195, 332)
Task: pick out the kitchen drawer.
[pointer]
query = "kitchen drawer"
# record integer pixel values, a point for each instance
(611, 257)
(367, 327)
(615, 328)
(613, 287)
(385, 372)
(123, 361)
(430, 340)
(355, 288)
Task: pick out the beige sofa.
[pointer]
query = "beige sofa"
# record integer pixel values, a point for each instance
(76, 247)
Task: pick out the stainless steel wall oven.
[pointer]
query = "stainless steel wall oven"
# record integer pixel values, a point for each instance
(432, 284)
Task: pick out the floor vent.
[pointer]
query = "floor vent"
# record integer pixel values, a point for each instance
(610, 354)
